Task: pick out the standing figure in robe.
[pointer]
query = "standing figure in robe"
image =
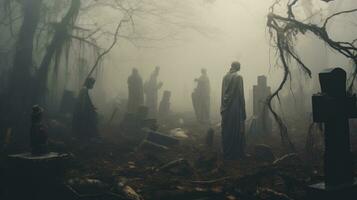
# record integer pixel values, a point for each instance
(151, 90)
(201, 98)
(164, 108)
(84, 122)
(233, 114)
(136, 92)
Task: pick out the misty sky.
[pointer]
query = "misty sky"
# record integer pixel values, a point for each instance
(230, 30)
(235, 31)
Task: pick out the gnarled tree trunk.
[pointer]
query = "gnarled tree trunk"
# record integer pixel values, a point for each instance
(17, 104)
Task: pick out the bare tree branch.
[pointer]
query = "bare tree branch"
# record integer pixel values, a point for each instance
(283, 31)
(115, 40)
(337, 14)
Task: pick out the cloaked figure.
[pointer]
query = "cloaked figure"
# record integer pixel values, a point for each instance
(201, 98)
(151, 90)
(233, 114)
(164, 108)
(136, 91)
(84, 123)
(38, 132)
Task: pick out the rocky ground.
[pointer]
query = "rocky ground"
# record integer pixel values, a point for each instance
(127, 169)
(121, 166)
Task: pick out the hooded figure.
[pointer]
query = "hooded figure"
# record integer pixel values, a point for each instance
(164, 108)
(152, 88)
(136, 92)
(233, 114)
(84, 122)
(201, 98)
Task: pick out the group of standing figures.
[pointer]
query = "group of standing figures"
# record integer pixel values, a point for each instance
(232, 106)
(233, 112)
(149, 89)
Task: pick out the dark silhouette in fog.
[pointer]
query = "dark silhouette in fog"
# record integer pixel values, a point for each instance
(84, 123)
(201, 98)
(151, 89)
(233, 114)
(165, 104)
(136, 91)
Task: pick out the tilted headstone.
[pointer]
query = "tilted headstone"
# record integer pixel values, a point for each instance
(334, 107)
(260, 109)
(38, 174)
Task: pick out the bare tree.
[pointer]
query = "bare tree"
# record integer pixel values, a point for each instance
(284, 30)
(47, 31)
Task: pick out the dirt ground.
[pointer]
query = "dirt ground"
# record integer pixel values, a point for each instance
(119, 166)
(190, 170)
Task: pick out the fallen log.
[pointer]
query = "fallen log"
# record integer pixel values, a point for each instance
(212, 181)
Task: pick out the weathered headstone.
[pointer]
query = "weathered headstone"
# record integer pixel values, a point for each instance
(39, 174)
(333, 107)
(263, 121)
(38, 132)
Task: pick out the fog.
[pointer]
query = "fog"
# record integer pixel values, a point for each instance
(234, 30)
(211, 35)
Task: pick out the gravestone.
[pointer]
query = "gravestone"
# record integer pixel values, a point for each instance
(334, 107)
(38, 132)
(39, 174)
(263, 121)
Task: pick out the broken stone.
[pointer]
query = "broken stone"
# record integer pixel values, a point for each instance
(178, 133)
(180, 187)
(86, 186)
(161, 139)
(131, 194)
(125, 190)
(199, 189)
(231, 197)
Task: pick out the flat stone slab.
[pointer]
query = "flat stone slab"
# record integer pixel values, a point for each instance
(48, 156)
(37, 177)
(161, 139)
(50, 164)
